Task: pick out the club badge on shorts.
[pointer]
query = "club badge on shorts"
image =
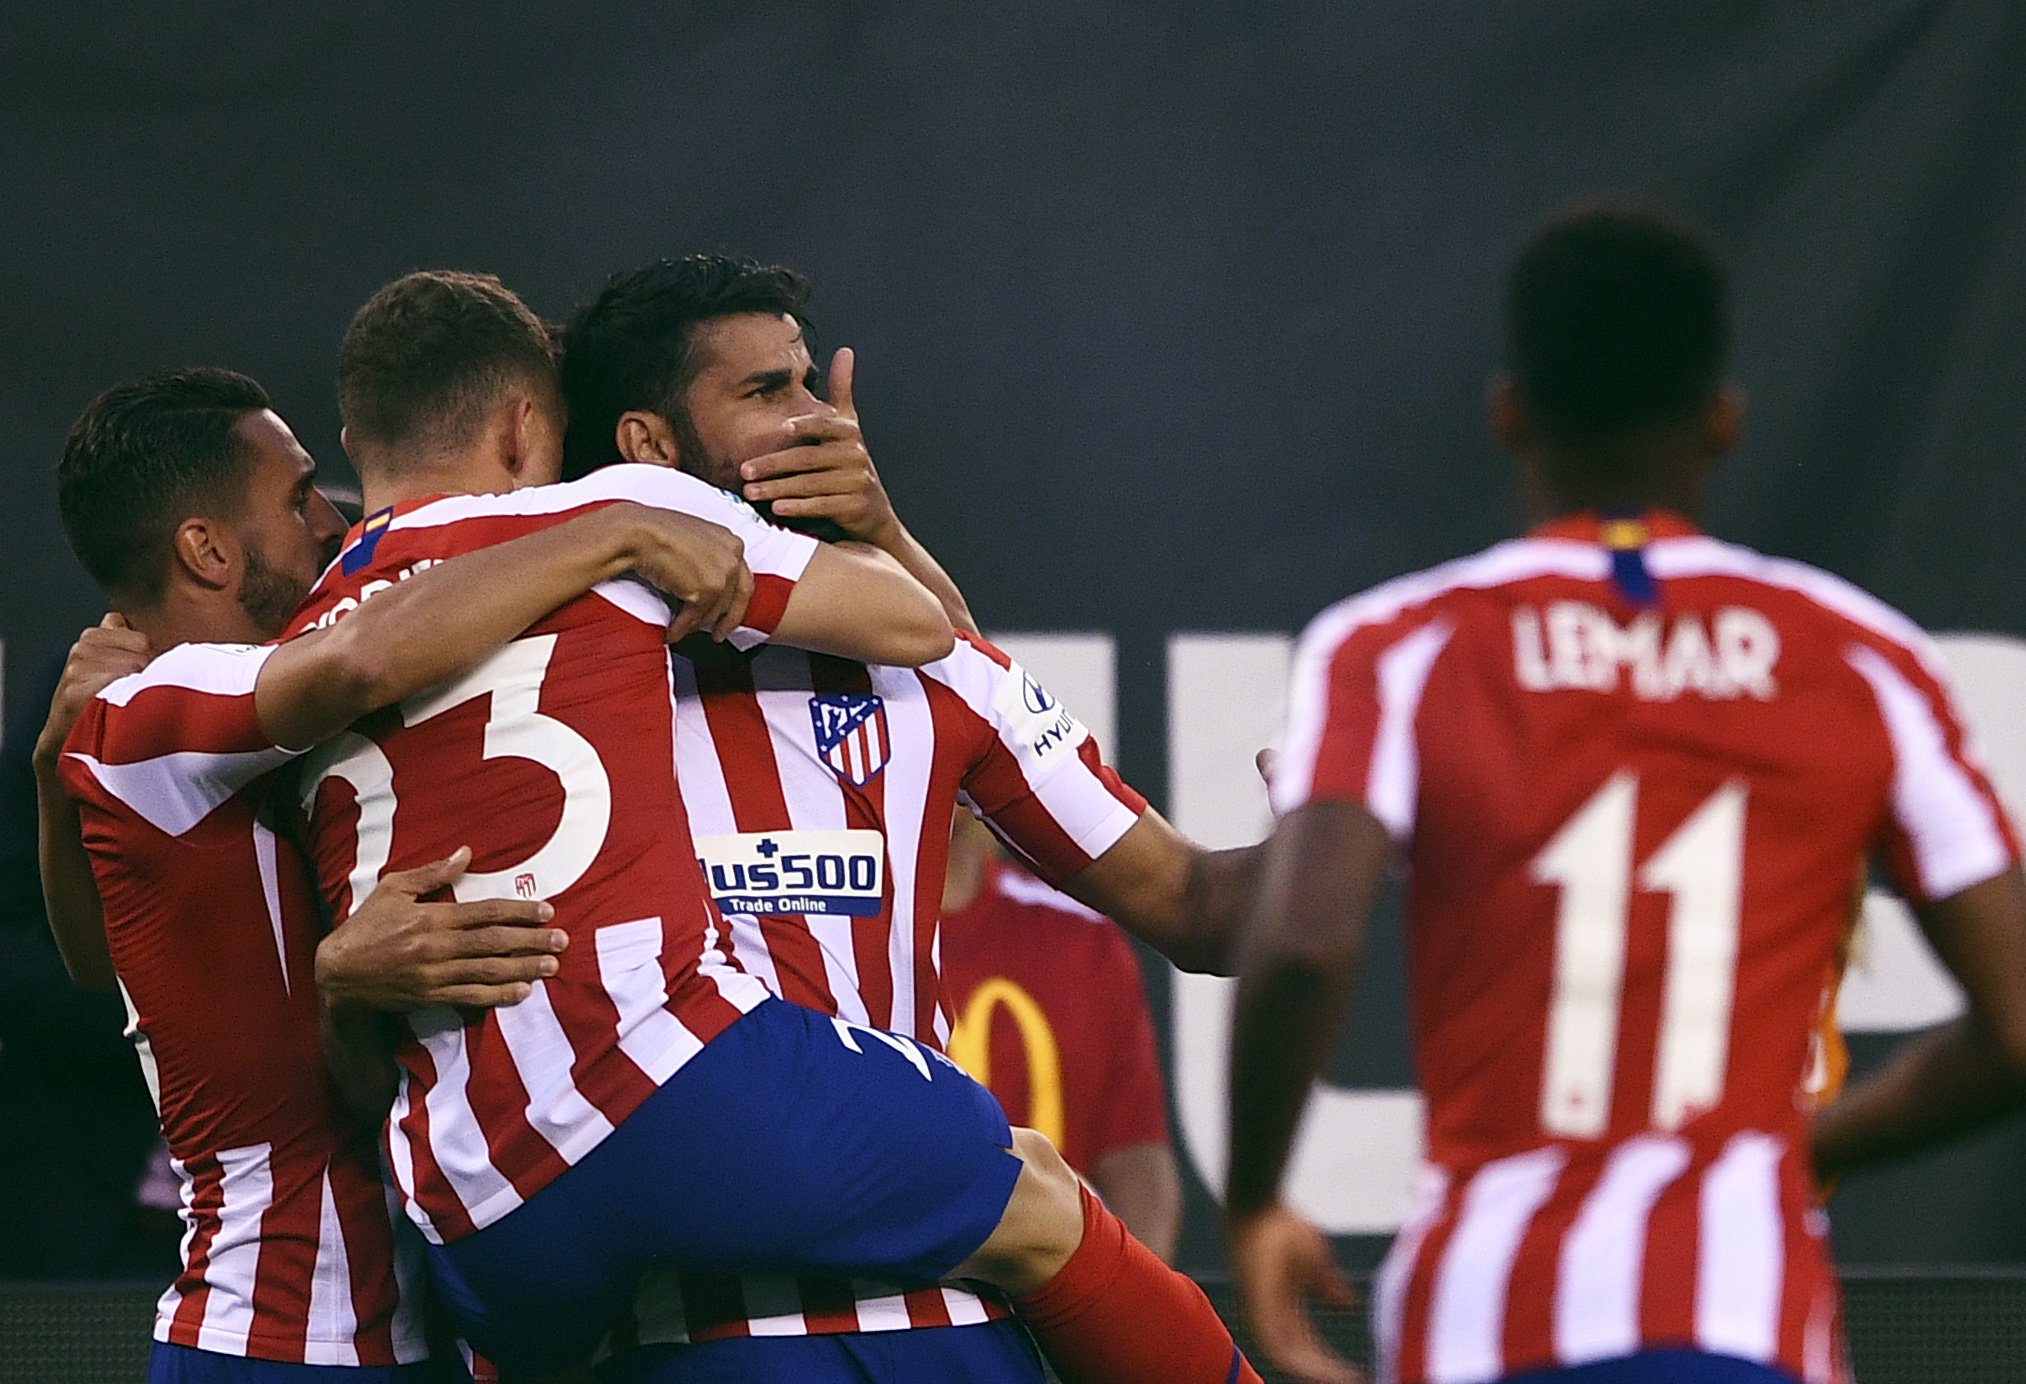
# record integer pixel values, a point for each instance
(851, 734)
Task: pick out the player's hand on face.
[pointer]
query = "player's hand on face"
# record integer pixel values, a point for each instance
(822, 469)
(397, 952)
(702, 565)
(103, 654)
(1280, 1261)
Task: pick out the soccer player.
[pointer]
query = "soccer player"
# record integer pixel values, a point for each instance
(1632, 771)
(190, 503)
(787, 762)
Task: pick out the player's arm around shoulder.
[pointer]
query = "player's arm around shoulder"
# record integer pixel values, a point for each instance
(856, 602)
(101, 656)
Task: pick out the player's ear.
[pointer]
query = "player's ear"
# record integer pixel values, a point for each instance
(1505, 415)
(204, 553)
(345, 441)
(646, 437)
(1723, 422)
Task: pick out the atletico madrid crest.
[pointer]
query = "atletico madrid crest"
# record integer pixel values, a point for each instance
(851, 734)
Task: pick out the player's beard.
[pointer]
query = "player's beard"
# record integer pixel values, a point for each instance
(267, 595)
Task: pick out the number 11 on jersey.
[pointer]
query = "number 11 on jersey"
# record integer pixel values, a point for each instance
(1701, 867)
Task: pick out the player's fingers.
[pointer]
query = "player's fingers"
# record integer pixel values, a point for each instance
(484, 996)
(425, 879)
(113, 621)
(843, 366)
(505, 939)
(688, 619)
(494, 970)
(740, 596)
(824, 439)
(515, 913)
(1288, 1339)
(841, 479)
(843, 508)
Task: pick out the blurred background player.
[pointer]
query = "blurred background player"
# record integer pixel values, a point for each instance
(703, 363)
(1051, 1014)
(1632, 772)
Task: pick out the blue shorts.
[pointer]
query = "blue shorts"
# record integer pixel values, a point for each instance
(793, 1143)
(995, 1352)
(169, 1364)
(1661, 1367)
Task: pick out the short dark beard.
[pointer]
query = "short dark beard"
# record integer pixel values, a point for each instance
(268, 597)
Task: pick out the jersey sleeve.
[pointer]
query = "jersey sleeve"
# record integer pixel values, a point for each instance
(1354, 695)
(1134, 1107)
(1946, 828)
(1038, 778)
(177, 740)
(777, 556)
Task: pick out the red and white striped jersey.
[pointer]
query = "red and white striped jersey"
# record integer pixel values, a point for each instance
(820, 792)
(554, 759)
(290, 1251)
(1633, 771)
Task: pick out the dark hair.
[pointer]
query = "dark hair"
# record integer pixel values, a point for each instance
(143, 457)
(632, 347)
(431, 354)
(1616, 321)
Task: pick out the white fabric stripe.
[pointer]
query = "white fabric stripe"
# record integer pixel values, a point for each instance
(332, 1322)
(629, 965)
(1025, 888)
(773, 1306)
(174, 792)
(456, 1143)
(1741, 1269)
(410, 1326)
(1956, 836)
(965, 1309)
(815, 802)
(151, 1071)
(911, 728)
(1389, 1288)
(270, 890)
(707, 799)
(1467, 1322)
(1393, 783)
(233, 1264)
(1598, 1287)
(1080, 804)
(401, 1159)
(880, 1308)
(172, 1296)
(222, 670)
(543, 1058)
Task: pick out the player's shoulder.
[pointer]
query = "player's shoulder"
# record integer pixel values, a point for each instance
(1447, 590)
(1804, 590)
(197, 670)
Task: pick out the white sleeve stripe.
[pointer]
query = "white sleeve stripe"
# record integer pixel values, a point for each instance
(225, 670)
(174, 792)
(1955, 832)
(1394, 783)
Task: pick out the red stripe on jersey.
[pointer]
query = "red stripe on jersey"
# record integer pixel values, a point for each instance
(207, 1200)
(289, 1232)
(1533, 1285)
(927, 1307)
(432, 1188)
(366, 1220)
(864, 809)
(1667, 1274)
(194, 722)
(732, 707)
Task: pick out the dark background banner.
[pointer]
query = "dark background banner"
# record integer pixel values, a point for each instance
(1171, 317)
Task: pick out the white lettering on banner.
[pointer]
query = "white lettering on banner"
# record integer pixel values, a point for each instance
(1357, 1150)
(770, 873)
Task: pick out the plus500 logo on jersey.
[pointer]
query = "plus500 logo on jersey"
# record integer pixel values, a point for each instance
(768, 873)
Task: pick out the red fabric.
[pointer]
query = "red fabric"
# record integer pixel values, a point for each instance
(1115, 1314)
(1052, 1015)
